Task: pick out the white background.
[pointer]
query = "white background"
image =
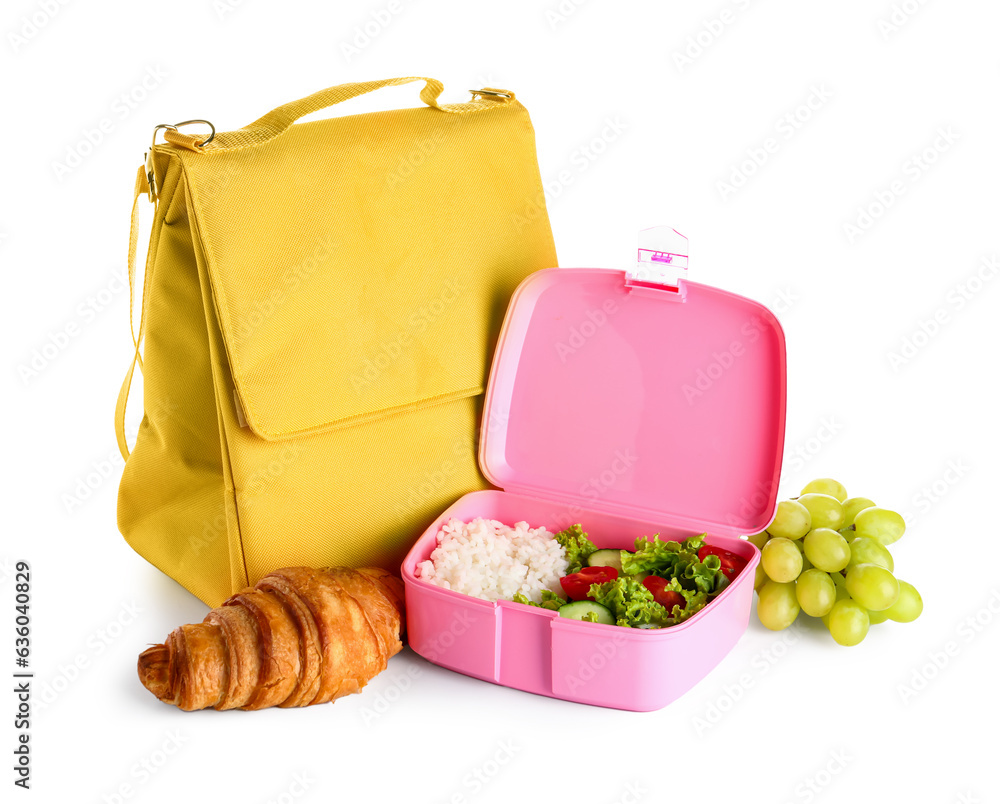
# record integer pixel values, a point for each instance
(918, 434)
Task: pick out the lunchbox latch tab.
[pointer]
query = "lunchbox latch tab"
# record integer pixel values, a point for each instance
(661, 263)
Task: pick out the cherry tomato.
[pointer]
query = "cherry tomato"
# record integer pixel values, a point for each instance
(578, 584)
(667, 598)
(731, 563)
(712, 550)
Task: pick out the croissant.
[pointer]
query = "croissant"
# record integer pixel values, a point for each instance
(301, 636)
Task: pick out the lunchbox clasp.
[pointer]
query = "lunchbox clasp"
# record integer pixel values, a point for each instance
(661, 263)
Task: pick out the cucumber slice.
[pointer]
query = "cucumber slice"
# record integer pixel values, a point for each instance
(606, 558)
(578, 609)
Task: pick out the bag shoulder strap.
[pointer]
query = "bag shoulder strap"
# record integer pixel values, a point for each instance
(141, 189)
(278, 120)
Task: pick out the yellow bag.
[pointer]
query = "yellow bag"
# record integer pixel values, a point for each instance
(320, 305)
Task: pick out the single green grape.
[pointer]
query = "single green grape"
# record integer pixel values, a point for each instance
(824, 511)
(878, 617)
(760, 578)
(826, 485)
(854, 505)
(827, 549)
(848, 622)
(874, 587)
(758, 540)
(866, 550)
(842, 594)
(781, 560)
(777, 606)
(908, 605)
(880, 523)
(816, 592)
(791, 520)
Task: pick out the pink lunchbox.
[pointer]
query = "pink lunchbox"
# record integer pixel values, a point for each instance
(635, 403)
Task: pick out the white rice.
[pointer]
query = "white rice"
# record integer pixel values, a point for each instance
(489, 560)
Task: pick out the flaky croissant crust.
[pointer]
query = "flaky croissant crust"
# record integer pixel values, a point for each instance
(301, 636)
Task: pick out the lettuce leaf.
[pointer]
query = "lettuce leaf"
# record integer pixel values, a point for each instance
(550, 600)
(632, 604)
(677, 560)
(651, 556)
(578, 547)
(666, 559)
(695, 601)
(702, 575)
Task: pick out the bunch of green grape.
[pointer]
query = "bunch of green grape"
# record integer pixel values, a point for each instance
(825, 554)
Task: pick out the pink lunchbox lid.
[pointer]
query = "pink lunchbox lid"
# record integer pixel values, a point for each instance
(639, 392)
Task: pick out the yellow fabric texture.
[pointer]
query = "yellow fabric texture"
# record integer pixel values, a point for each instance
(321, 304)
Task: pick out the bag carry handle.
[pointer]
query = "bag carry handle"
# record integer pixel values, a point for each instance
(267, 128)
(278, 120)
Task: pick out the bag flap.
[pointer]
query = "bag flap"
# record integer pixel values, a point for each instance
(362, 265)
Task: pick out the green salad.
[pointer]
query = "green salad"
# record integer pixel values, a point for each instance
(656, 585)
